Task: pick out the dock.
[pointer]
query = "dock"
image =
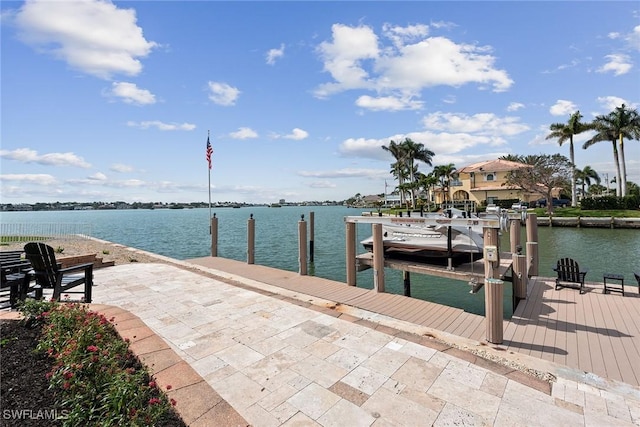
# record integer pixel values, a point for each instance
(593, 332)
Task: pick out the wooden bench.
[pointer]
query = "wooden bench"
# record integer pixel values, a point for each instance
(569, 275)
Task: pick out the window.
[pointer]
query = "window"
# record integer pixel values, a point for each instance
(490, 177)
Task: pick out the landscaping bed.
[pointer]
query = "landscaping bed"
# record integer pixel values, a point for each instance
(51, 376)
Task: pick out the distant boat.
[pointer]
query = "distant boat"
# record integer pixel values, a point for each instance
(430, 243)
(275, 205)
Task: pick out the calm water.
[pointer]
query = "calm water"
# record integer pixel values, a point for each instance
(184, 234)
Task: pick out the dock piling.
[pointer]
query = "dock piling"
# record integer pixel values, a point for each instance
(302, 246)
(311, 233)
(378, 258)
(251, 240)
(213, 227)
(351, 253)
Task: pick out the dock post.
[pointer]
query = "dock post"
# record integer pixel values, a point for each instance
(532, 227)
(351, 253)
(520, 279)
(378, 258)
(214, 236)
(491, 268)
(494, 311)
(251, 240)
(406, 279)
(311, 233)
(514, 235)
(532, 259)
(302, 246)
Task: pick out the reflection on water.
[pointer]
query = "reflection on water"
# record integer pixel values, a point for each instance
(184, 234)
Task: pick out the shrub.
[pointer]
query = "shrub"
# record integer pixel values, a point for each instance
(97, 380)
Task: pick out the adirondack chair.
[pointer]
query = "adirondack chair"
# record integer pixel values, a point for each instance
(48, 273)
(570, 275)
(14, 281)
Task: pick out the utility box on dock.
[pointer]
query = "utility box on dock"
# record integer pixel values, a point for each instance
(494, 311)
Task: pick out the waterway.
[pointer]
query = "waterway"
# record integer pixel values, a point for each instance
(184, 234)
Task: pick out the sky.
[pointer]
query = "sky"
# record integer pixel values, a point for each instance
(114, 101)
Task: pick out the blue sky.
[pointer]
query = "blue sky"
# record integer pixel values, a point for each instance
(110, 101)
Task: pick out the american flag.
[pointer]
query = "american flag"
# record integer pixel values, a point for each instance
(209, 152)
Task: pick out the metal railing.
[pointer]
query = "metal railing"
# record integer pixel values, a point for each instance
(18, 232)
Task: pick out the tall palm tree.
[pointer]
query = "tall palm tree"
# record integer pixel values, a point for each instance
(626, 123)
(398, 168)
(565, 132)
(606, 132)
(585, 176)
(415, 151)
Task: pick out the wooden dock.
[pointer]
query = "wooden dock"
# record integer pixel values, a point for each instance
(592, 332)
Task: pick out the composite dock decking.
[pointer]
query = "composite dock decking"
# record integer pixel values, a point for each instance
(592, 332)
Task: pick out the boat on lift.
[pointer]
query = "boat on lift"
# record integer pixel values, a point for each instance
(432, 243)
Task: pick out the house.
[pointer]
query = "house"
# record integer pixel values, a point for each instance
(485, 183)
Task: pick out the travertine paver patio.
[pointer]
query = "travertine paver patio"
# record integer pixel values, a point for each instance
(278, 360)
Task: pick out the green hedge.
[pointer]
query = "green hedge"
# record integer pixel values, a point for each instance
(611, 202)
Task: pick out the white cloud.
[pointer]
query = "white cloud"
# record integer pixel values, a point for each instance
(346, 173)
(388, 103)
(356, 59)
(480, 124)
(609, 103)
(297, 134)
(322, 184)
(274, 54)
(244, 133)
(515, 106)
(343, 55)
(98, 176)
(121, 168)
(26, 155)
(446, 134)
(618, 63)
(633, 38)
(401, 35)
(563, 108)
(223, 94)
(131, 94)
(39, 179)
(161, 125)
(93, 36)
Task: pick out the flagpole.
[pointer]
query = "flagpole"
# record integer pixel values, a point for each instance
(209, 165)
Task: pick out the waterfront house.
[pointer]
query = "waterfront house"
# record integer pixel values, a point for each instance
(485, 183)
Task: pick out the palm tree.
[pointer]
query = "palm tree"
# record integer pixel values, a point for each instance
(605, 133)
(444, 174)
(427, 183)
(398, 169)
(415, 151)
(513, 158)
(585, 176)
(565, 132)
(626, 124)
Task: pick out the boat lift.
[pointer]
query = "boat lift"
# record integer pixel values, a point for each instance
(474, 273)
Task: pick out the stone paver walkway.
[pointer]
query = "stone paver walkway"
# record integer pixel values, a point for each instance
(278, 363)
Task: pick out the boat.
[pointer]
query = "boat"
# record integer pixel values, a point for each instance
(430, 243)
